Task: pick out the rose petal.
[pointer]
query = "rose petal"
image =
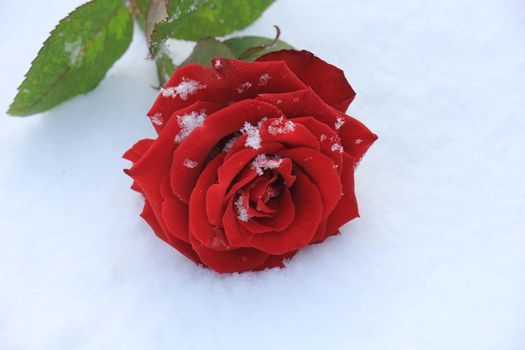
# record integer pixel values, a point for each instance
(225, 83)
(308, 210)
(201, 229)
(203, 139)
(346, 209)
(151, 168)
(174, 213)
(238, 260)
(227, 172)
(137, 150)
(284, 216)
(326, 80)
(321, 172)
(356, 138)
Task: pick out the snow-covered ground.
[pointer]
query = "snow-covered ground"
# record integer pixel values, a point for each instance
(437, 260)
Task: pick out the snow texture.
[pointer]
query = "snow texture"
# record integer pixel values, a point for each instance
(254, 136)
(435, 261)
(279, 126)
(242, 210)
(263, 162)
(188, 122)
(184, 89)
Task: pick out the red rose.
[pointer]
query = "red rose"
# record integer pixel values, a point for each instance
(253, 160)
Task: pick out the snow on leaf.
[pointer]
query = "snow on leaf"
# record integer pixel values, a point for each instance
(74, 49)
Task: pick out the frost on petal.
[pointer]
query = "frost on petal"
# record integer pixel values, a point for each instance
(188, 122)
(228, 145)
(157, 119)
(217, 64)
(241, 209)
(254, 137)
(339, 123)
(263, 80)
(188, 163)
(262, 162)
(322, 137)
(336, 147)
(358, 141)
(280, 127)
(185, 88)
(243, 87)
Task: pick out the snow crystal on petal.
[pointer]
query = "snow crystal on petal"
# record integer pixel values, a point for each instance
(339, 123)
(337, 148)
(244, 86)
(241, 209)
(262, 161)
(188, 122)
(185, 88)
(322, 137)
(188, 163)
(254, 137)
(157, 119)
(217, 64)
(263, 80)
(358, 141)
(228, 145)
(278, 126)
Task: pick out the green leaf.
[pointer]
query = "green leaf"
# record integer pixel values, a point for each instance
(198, 19)
(239, 45)
(206, 49)
(165, 68)
(75, 57)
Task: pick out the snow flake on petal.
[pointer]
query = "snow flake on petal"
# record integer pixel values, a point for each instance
(157, 119)
(241, 209)
(358, 141)
(336, 147)
(185, 88)
(322, 137)
(188, 122)
(262, 162)
(243, 87)
(254, 137)
(228, 145)
(188, 163)
(263, 80)
(339, 123)
(278, 126)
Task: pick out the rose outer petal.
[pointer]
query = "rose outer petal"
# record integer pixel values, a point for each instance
(346, 208)
(228, 81)
(356, 138)
(326, 80)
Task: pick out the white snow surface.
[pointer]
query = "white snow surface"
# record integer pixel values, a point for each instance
(436, 261)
